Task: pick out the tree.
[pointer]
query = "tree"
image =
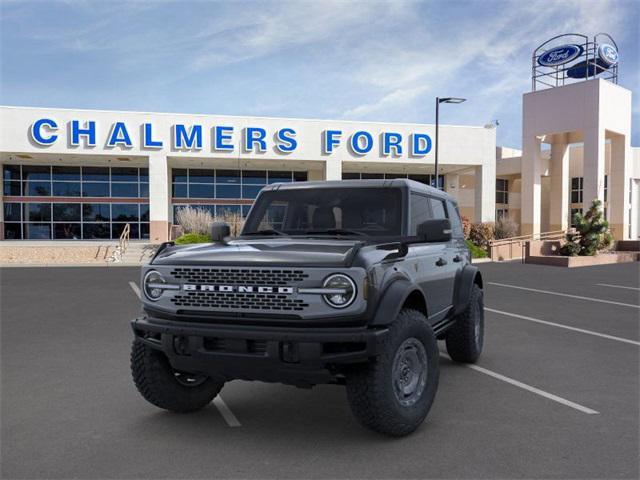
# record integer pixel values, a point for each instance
(591, 235)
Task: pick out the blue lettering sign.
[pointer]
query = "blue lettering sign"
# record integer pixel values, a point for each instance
(253, 136)
(37, 134)
(286, 140)
(222, 137)
(357, 146)
(391, 140)
(147, 137)
(119, 136)
(89, 131)
(330, 140)
(186, 139)
(420, 144)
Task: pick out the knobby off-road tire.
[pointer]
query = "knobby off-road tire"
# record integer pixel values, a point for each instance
(165, 388)
(384, 395)
(465, 338)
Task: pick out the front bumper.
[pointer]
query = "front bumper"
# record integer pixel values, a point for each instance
(301, 357)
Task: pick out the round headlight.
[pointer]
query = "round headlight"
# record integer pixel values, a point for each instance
(152, 281)
(343, 290)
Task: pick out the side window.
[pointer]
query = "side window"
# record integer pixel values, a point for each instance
(456, 223)
(420, 212)
(437, 207)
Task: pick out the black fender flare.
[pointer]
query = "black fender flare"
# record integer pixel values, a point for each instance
(392, 300)
(470, 274)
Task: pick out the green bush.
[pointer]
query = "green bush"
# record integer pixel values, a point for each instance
(592, 233)
(476, 251)
(189, 238)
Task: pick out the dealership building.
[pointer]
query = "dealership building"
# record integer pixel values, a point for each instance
(85, 174)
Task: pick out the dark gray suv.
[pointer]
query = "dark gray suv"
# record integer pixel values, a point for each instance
(346, 282)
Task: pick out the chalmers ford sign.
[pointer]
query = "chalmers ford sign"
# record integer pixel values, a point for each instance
(45, 132)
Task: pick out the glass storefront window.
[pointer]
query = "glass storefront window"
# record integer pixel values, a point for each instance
(95, 174)
(66, 173)
(124, 190)
(96, 231)
(11, 172)
(95, 189)
(69, 231)
(228, 191)
(96, 212)
(37, 231)
(12, 212)
(37, 212)
(66, 189)
(124, 212)
(37, 189)
(36, 172)
(12, 188)
(197, 190)
(66, 212)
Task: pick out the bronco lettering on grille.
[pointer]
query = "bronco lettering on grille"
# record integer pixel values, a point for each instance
(188, 287)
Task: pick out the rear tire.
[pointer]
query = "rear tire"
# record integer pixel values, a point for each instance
(393, 394)
(466, 337)
(166, 388)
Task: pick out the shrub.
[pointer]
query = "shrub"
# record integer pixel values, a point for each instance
(482, 233)
(591, 235)
(194, 220)
(466, 226)
(476, 251)
(505, 227)
(189, 238)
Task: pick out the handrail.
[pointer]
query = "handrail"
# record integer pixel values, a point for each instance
(123, 244)
(534, 236)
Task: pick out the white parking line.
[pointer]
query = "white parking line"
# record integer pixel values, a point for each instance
(226, 413)
(135, 288)
(617, 286)
(565, 295)
(581, 330)
(222, 407)
(529, 388)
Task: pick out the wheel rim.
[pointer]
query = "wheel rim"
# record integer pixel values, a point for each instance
(189, 379)
(409, 371)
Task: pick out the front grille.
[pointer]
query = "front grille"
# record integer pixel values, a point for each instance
(239, 301)
(239, 276)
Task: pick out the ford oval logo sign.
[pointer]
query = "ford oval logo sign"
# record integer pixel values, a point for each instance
(560, 55)
(608, 54)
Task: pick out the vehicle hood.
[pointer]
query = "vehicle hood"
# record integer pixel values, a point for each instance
(256, 252)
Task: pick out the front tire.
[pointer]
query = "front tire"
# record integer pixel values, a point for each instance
(167, 388)
(466, 337)
(394, 393)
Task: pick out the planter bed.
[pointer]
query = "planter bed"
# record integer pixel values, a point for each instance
(602, 259)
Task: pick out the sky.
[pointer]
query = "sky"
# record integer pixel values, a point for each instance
(344, 60)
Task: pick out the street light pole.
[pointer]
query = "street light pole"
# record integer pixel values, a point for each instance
(437, 142)
(438, 102)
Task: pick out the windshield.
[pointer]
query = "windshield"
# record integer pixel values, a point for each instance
(327, 211)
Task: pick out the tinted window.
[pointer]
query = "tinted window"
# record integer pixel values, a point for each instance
(437, 207)
(100, 174)
(37, 189)
(456, 223)
(124, 174)
(124, 212)
(95, 189)
(66, 189)
(124, 189)
(37, 212)
(96, 212)
(71, 231)
(32, 172)
(12, 212)
(11, 172)
(12, 189)
(420, 212)
(370, 211)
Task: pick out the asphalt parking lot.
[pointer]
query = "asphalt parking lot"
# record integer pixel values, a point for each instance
(555, 394)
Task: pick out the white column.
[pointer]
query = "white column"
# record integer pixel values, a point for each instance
(159, 197)
(333, 169)
(593, 167)
(559, 205)
(531, 186)
(618, 188)
(485, 192)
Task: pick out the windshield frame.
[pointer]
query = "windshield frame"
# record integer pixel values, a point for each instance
(258, 211)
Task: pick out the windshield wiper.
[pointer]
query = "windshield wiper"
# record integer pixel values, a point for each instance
(334, 231)
(266, 231)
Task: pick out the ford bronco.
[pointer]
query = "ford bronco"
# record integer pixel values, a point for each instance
(345, 282)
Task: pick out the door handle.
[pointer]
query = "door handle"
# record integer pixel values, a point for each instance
(457, 258)
(441, 262)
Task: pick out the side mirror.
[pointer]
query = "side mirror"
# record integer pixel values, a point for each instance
(220, 231)
(438, 230)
